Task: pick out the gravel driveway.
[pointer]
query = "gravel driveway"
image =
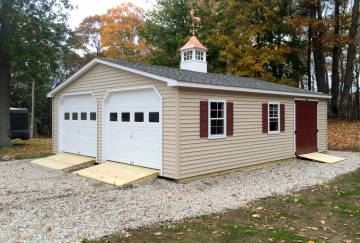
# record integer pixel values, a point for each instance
(42, 205)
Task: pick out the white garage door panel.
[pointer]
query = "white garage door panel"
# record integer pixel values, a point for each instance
(78, 136)
(138, 143)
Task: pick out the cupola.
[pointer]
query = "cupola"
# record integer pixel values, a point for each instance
(193, 56)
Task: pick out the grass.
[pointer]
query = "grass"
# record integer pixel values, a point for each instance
(326, 213)
(27, 149)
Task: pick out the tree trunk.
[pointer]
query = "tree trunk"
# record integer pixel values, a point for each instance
(32, 109)
(318, 47)
(350, 60)
(308, 62)
(357, 97)
(4, 101)
(335, 78)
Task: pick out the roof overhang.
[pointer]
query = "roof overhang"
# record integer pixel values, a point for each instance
(176, 83)
(248, 90)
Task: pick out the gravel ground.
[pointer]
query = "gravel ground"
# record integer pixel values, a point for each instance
(42, 205)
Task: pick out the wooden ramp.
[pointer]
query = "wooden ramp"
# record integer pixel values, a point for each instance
(118, 174)
(65, 161)
(320, 157)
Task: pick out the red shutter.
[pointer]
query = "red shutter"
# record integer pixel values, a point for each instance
(229, 118)
(204, 118)
(264, 117)
(282, 117)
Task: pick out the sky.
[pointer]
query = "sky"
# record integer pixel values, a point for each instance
(84, 8)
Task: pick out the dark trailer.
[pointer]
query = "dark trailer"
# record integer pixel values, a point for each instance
(19, 123)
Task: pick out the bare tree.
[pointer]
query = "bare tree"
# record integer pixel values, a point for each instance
(335, 78)
(351, 53)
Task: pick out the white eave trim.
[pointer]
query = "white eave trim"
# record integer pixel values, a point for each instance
(175, 83)
(170, 82)
(248, 90)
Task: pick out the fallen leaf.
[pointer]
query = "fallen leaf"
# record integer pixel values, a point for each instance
(157, 233)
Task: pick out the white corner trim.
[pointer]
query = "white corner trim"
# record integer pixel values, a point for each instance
(248, 90)
(170, 82)
(220, 136)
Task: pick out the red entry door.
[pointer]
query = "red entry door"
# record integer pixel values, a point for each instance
(306, 127)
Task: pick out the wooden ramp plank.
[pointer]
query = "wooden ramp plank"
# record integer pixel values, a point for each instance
(320, 157)
(118, 174)
(63, 161)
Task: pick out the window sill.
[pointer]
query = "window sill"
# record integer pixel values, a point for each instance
(274, 132)
(217, 137)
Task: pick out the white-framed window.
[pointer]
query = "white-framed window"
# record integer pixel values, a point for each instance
(217, 119)
(273, 117)
(187, 55)
(199, 55)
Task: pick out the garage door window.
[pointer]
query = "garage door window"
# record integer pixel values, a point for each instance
(74, 115)
(125, 116)
(154, 117)
(93, 116)
(113, 116)
(83, 116)
(139, 116)
(66, 116)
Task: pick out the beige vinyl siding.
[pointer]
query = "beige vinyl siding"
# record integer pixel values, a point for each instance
(102, 78)
(322, 125)
(248, 145)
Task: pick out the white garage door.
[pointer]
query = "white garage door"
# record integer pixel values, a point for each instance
(77, 133)
(132, 128)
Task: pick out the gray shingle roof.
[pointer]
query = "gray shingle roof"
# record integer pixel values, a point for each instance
(211, 78)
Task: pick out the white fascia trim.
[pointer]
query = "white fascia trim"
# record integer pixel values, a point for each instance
(173, 82)
(219, 87)
(72, 78)
(170, 82)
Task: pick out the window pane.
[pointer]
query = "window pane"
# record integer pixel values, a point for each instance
(220, 114)
(125, 116)
(139, 116)
(67, 116)
(92, 116)
(74, 115)
(221, 106)
(273, 110)
(217, 127)
(213, 106)
(113, 116)
(220, 130)
(213, 131)
(154, 117)
(213, 123)
(213, 114)
(187, 55)
(274, 124)
(83, 116)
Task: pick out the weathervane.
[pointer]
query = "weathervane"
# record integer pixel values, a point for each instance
(195, 21)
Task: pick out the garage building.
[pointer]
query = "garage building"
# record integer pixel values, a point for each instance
(184, 122)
